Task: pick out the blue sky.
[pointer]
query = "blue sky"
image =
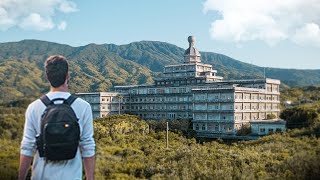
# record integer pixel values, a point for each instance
(270, 33)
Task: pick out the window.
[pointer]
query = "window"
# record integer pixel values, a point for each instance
(172, 115)
(216, 128)
(262, 130)
(102, 99)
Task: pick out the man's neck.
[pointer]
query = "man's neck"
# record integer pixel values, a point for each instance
(59, 89)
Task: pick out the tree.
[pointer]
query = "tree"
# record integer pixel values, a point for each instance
(300, 116)
(271, 116)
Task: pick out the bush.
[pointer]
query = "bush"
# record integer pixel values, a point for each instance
(271, 116)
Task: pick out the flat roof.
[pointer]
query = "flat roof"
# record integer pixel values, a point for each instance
(266, 80)
(188, 64)
(98, 93)
(269, 121)
(131, 86)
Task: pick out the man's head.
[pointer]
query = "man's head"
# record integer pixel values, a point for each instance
(56, 68)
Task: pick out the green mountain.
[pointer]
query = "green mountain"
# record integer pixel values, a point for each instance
(155, 55)
(100, 67)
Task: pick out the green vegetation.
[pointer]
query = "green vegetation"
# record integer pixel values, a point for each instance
(130, 148)
(301, 95)
(101, 67)
(11, 129)
(304, 110)
(301, 116)
(271, 116)
(26, 78)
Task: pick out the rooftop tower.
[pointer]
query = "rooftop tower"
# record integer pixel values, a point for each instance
(192, 55)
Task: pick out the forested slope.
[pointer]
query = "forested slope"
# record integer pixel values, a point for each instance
(100, 67)
(128, 148)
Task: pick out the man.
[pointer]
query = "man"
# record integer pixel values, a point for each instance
(56, 69)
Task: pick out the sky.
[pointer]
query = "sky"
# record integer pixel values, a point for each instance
(268, 33)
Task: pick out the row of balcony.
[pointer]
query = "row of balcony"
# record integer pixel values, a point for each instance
(235, 100)
(236, 110)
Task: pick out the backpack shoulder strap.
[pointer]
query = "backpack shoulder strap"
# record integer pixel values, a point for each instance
(45, 100)
(70, 100)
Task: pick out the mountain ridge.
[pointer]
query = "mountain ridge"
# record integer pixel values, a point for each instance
(99, 67)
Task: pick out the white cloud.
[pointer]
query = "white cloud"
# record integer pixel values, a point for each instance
(5, 21)
(38, 15)
(270, 21)
(35, 22)
(62, 26)
(308, 34)
(68, 6)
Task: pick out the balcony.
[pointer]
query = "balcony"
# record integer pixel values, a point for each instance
(213, 110)
(213, 100)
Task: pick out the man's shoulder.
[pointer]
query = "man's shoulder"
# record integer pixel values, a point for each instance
(36, 107)
(35, 104)
(38, 103)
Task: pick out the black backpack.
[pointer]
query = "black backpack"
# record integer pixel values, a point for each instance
(60, 132)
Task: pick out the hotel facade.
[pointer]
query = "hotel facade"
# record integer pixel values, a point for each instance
(193, 91)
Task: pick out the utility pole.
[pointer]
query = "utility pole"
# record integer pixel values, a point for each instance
(167, 142)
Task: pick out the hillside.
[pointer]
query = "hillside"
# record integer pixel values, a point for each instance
(100, 67)
(129, 148)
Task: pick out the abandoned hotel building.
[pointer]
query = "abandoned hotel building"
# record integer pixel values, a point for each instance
(192, 90)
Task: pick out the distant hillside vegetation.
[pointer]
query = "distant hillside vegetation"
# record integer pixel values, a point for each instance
(100, 67)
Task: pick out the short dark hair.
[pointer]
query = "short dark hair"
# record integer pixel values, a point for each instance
(56, 68)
